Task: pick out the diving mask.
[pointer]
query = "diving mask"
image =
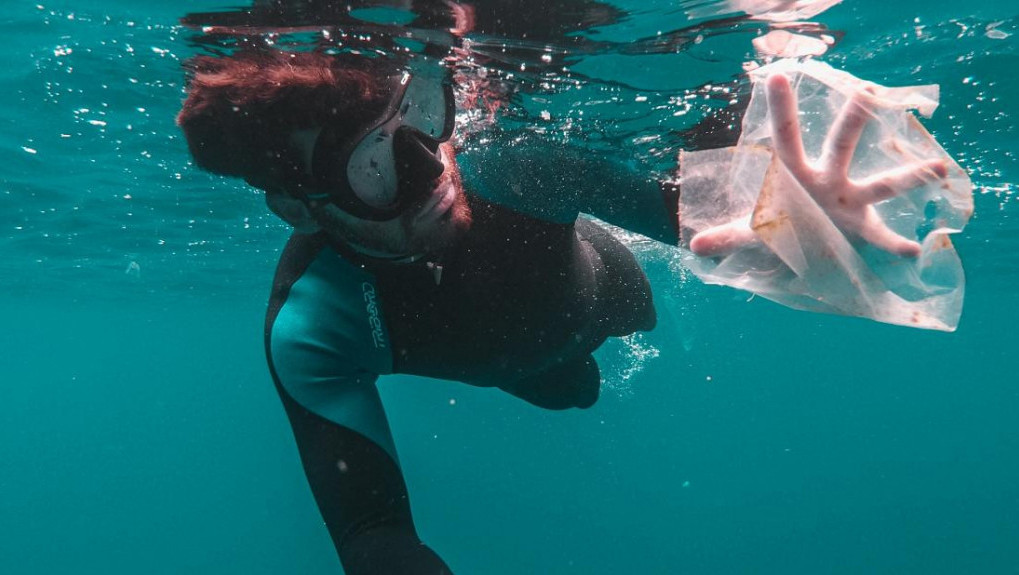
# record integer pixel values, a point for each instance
(360, 174)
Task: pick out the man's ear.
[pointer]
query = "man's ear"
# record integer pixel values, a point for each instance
(292, 211)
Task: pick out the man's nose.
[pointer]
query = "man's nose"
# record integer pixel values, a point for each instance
(417, 154)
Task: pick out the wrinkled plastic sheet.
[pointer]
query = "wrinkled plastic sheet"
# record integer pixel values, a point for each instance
(801, 259)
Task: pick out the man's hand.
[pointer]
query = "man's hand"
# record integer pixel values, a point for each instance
(849, 203)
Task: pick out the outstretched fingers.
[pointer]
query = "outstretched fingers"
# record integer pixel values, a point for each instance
(724, 239)
(785, 125)
(840, 143)
(877, 232)
(898, 181)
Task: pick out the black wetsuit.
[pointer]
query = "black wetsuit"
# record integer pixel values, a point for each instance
(519, 303)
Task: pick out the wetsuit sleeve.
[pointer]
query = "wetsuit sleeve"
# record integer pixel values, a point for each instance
(324, 359)
(556, 182)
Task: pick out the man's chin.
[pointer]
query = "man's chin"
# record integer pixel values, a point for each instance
(444, 236)
(445, 231)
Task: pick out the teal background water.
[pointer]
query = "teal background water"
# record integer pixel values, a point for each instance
(140, 431)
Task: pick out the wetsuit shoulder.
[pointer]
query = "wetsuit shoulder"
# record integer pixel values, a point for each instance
(325, 339)
(511, 175)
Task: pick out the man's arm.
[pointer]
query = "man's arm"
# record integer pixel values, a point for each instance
(324, 356)
(557, 182)
(360, 492)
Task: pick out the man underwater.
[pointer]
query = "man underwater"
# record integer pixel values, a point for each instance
(404, 261)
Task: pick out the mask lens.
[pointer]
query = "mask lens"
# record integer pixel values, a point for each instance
(428, 108)
(371, 169)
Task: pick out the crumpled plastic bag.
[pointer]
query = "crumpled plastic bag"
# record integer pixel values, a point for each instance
(802, 259)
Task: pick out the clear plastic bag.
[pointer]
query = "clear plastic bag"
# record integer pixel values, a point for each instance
(801, 258)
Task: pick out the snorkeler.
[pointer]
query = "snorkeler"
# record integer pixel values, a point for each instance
(404, 261)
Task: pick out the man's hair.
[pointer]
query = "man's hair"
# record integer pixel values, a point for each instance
(242, 109)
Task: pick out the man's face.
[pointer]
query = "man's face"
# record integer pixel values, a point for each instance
(428, 225)
(384, 179)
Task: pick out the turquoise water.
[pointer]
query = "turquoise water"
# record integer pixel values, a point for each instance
(140, 431)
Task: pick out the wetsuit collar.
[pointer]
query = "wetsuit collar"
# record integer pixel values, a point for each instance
(381, 262)
(389, 258)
